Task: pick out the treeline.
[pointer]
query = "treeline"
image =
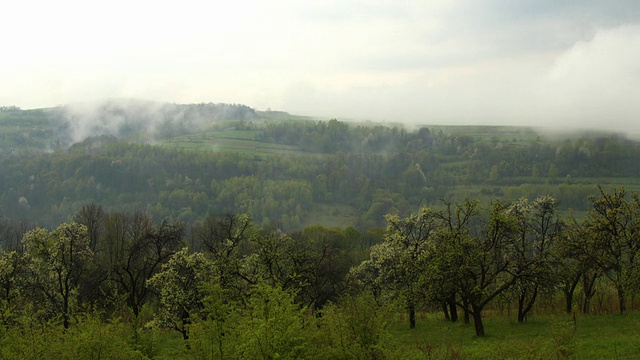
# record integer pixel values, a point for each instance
(233, 289)
(187, 185)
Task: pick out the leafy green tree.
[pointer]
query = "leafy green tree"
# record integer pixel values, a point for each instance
(614, 225)
(397, 265)
(273, 326)
(538, 228)
(441, 275)
(12, 275)
(481, 260)
(179, 286)
(57, 260)
(576, 264)
(216, 334)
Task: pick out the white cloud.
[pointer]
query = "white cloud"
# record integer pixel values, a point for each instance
(593, 84)
(438, 61)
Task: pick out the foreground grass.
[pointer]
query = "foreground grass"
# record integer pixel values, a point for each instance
(542, 337)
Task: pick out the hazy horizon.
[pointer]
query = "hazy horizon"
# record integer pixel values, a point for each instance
(543, 63)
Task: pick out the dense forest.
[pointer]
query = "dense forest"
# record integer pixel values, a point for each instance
(264, 235)
(354, 172)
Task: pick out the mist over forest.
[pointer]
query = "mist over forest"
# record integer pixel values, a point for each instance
(185, 161)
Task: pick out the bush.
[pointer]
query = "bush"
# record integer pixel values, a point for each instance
(355, 329)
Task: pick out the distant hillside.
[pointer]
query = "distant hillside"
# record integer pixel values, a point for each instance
(186, 161)
(126, 119)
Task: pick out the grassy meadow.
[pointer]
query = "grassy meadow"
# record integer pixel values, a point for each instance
(541, 337)
(605, 336)
(243, 141)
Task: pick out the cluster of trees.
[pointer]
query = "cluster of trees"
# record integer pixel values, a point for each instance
(118, 264)
(466, 257)
(226, 279)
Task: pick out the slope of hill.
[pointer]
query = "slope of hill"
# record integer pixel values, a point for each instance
(187, 161)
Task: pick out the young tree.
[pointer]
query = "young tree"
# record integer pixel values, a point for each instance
(273, 326)
(179, 287)
(57, 260)
(538, 227)
(92, 216)
(225, 238)
(613, 223)
(398, 264)
(136, 249)
(441, 275)
(575, 264)
(12, 284)
(215, 335)
(355, 328)
(484, 261)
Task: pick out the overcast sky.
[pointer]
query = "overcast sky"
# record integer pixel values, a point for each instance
(540, 62)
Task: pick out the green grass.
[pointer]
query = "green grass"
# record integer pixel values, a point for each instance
(228, 140)
(542, 337)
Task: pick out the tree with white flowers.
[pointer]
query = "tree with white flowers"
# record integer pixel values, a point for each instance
(57, 260)
(179, 286)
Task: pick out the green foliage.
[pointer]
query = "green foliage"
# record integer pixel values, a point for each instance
(274, 326)
(613, 224)
(356, 328)
(178, 285)
(370, 168)
(216, 334)
(57, 260)
(89, 338)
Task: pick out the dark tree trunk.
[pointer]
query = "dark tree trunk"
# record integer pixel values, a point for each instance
(568, 297)
(569, 290)
(185, 338)
(65, 310)
(588, 286)
(445, 311)
(523, 309)
(466, 312)
(477, 321)
(622, 300)
(586, 306)
(412, 316)
(521, 299)
(453, 309)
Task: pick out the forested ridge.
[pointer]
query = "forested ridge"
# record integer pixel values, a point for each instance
(361, 171)
(224, 232)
